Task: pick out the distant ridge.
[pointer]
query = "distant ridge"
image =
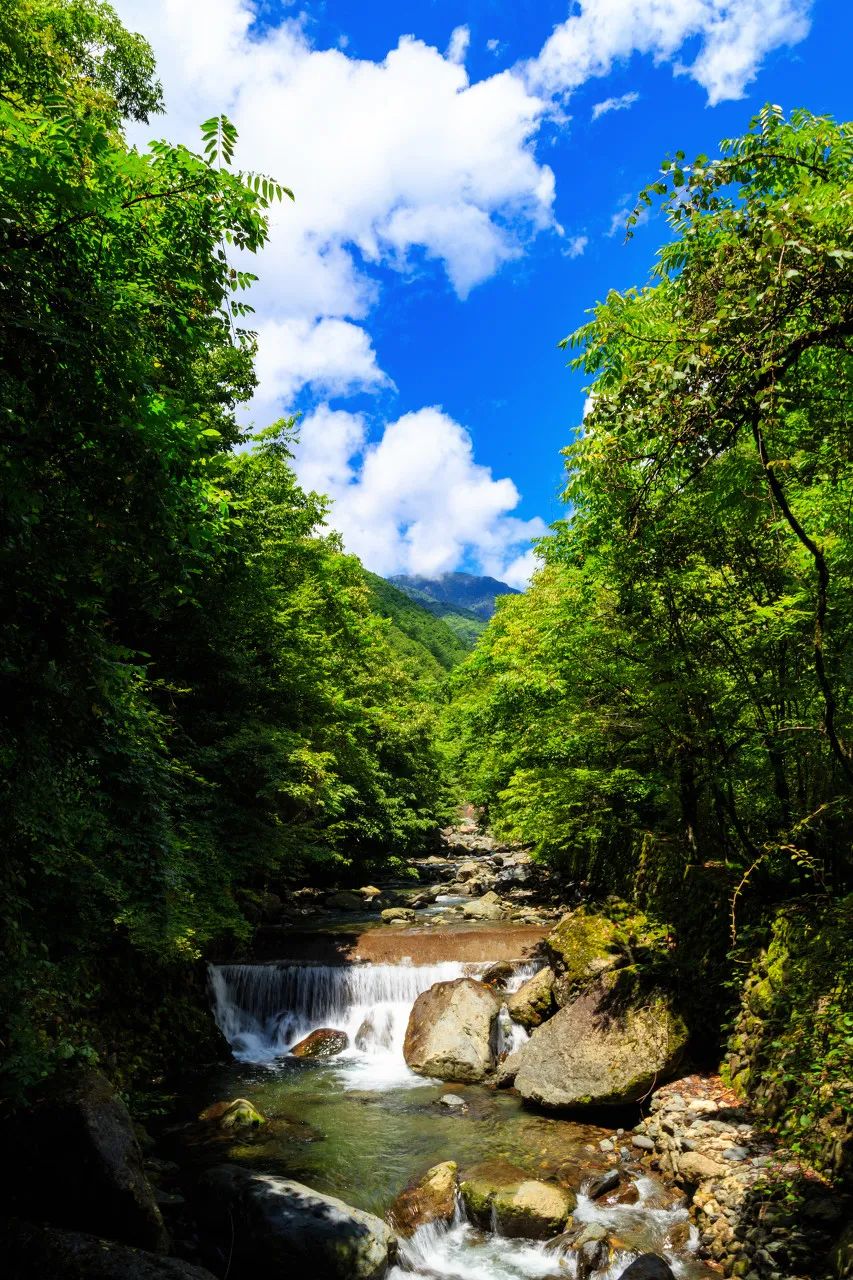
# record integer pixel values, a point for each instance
(464, 600)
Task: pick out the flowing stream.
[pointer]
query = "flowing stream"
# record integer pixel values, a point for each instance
(362, 1126)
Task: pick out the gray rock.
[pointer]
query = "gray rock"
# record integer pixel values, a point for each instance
(735, 1153)
(640, 1140)
(282, 1227)
(608, 1046)
(32, 1252)
(489, 907)
(449, 1034)
(453, 1102)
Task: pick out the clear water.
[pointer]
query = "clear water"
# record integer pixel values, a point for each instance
(362, 1126)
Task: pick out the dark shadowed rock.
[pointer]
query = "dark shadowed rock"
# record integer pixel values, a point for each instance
(648, 1267)
(612, 1045)
(34, 1252)
(283, 1228)
(449, 1031)
(323, 1043)
(78, 1164)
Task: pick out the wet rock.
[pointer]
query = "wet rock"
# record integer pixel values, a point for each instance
(323, 1043)
(499, 974)
(611, 1045)
(449, 1031)
(282, 1227)
(489, 907)
(77, 1163)
(395, 915)
(648, 1267)
(604, 1183)
(498, 1194)
(376, 1030)
(532, 1003)
(35, 1252)
(431, 1199)
(453, 1102)
(239, 1114)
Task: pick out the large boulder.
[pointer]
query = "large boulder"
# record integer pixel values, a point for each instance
(533, 1002)
(431, 1199)
(77, 1164)
(275, 1226)
(325, 1042)
(449, 1034)
(581, 947)
(498, 1195)
(613, 1044)
(489, 907)
(36, 1252)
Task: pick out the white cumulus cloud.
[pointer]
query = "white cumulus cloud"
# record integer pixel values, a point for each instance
(734, 37)
(415, 501)
(460, 38)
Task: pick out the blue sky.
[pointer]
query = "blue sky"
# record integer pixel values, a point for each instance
(462, 172)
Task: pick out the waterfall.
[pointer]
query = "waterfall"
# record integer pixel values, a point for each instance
(264, 1009)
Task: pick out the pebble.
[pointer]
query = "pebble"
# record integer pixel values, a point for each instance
(645, 1144)
(607, 1144)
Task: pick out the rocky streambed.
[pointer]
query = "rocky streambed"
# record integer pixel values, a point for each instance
(467, 1080)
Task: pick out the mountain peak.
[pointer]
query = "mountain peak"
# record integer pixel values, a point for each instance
(467, 593)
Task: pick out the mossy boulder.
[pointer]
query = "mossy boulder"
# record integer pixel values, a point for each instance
(581, 947)
(239, 1114)
(431, 1199)
(611, 1045)
(497, 1194)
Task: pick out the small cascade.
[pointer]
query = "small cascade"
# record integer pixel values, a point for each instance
(264, 1009)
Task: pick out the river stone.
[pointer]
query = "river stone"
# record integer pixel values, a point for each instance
(432, 1199)
(648, 1267)
(489, 907)
(532, 1002)
(36, 1252)
(280, 1227)
(613, 1044)
(449, 1034)
(397, 915)
(80, 1165)
(497, 1194)
(345, 900)
(694, 1167)
(323, 1043)
(582, 946)
(239, 1114)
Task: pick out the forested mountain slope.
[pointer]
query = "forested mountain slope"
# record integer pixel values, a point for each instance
(424, 638)
(464, 601)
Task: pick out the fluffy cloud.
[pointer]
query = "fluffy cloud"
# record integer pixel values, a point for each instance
(575, 246)
(416, 501)
(621, 103)
(334, 356)
(389, 160)
(734, 37)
